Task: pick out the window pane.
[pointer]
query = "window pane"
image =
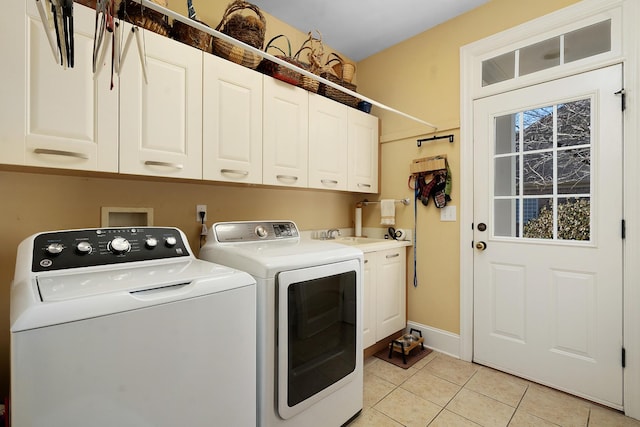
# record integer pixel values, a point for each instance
(498, 69)
(507, 129)
(574, 123)
(587, 41)
(538, 173)
(538, 129)
(507, 176)
(574, 171)
(538, 218)
(540, 56)
(574, 219)
(505, 218)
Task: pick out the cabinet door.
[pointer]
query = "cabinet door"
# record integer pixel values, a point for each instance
(161, 122)
(327, 143)
(391, 292)
(363, 152)
(286, 134)
(232, 114)
(369, 301)
(51, 116)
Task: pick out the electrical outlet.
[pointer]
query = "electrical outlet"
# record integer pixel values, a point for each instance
(448, 213)
(201, 208)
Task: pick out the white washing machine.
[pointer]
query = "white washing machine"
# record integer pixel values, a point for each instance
(125, 327)
(309, 296)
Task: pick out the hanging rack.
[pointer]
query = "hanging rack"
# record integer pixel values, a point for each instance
(365, 202)
(433, 138)
(197, 25)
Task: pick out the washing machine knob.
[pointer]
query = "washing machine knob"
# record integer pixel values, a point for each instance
(54, 248)
(120, 245)
(261, 232)
(151, 242)
(84, 248)
(170, 241)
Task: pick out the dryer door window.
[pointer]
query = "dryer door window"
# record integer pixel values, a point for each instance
(318, 339)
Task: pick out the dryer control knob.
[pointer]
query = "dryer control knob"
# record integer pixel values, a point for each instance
(54, 248)
(170, 241)
(84, 248)
(261, 232)
(119, 245)
(151, 242)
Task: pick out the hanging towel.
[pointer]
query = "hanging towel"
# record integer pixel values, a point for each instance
(387, 212)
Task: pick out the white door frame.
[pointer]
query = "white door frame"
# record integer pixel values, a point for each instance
(626, 50)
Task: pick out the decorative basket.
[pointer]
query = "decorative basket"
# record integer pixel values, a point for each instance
(189, 35)
(314, 57)
(247, 29)
(278, 71)
(336, 94)
(342, 68)
(146, 18)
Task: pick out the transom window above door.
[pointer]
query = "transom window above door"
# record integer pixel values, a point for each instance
(542, 172)
(555, 51)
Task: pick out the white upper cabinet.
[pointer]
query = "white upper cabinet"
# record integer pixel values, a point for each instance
(161, 122)
(232, 114)
(363, 152)
(327, 143)
(286, 134)
(49, 116)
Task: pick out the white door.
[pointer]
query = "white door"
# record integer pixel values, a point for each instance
(547, 233)
(286, 134)
(232, 122)
(161, 122)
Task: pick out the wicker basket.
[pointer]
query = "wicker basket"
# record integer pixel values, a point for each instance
(335, 94)
(192, 36)
(247, 29)
(342, 68)
(146, 18)
(278, 71)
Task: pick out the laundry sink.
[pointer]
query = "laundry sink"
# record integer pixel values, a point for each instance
(368, 244)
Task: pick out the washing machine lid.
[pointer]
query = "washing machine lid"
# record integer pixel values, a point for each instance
(52, 299)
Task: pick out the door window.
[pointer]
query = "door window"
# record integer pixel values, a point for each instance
(542, 175)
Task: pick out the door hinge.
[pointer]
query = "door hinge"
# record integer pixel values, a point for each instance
(623, 98)
(624, 357)
(624, 229)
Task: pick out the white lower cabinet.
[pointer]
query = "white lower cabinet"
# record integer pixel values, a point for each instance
(161, 122)
(232, 122)
(285, 142)
(385, 294)
(51, 116)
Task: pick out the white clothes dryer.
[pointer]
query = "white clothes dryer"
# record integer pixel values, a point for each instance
(125, 327)
(309, 296)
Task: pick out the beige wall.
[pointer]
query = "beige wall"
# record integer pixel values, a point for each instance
(421, 77)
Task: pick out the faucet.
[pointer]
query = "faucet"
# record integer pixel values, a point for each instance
(331, 233)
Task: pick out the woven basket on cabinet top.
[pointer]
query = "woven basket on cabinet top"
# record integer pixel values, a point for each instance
(144, 17)
(247, 29)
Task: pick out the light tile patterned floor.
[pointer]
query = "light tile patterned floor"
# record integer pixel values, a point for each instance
(443, 391)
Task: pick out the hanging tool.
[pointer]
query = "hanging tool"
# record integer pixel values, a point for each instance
(44, 17)
(67, 22)
(135, 32)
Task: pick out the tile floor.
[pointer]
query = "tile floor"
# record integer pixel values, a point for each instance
(443, 391)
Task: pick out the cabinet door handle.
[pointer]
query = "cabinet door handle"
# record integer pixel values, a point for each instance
(329, 181)
(236, 171)
(364, 185)
(61, 153)
(164, 164)
(287, 177)
(393, 255)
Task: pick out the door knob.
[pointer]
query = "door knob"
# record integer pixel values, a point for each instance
(481, 246)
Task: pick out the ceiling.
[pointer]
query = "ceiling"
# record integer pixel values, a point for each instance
(359, 28)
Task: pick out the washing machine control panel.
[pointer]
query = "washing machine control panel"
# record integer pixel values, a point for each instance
(253, 231)
(103, 246)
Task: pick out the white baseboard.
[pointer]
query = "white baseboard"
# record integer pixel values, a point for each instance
(437, 339)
